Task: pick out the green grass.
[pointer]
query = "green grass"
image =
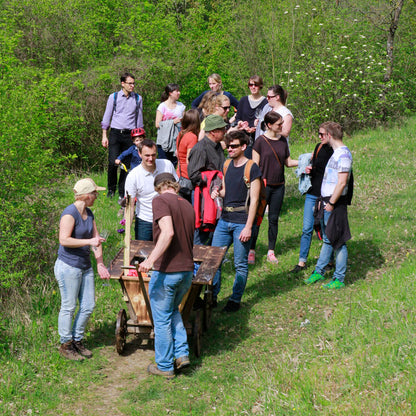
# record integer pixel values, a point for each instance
(356, 357)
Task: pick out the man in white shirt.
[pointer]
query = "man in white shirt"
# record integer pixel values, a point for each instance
(140, 185)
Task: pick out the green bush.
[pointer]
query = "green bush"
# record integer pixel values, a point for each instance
(60, 61)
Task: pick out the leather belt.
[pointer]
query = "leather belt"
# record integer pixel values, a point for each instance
(123, 131)
(234, 209)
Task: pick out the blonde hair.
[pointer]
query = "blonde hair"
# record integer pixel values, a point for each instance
(167, 184)
(217, 79)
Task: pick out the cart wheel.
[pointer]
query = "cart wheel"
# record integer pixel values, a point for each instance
(197, 333)
(207, 308)
(121, 331)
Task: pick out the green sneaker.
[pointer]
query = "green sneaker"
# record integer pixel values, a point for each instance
(334, 284)
(313, 278)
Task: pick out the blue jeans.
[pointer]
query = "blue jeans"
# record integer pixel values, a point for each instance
(225, 234)
(307, 230)
(341, 255)
(143, 230)
(74, 284)
(166, 291)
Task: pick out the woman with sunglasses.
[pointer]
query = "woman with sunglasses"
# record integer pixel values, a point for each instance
(322, 153)
(276, 101)
(250, 107)
(220, 106)
(271, 153)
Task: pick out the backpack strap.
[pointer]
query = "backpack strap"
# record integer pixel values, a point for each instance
(138, 98)
(115, 102)
(247, 172)
(226, 165)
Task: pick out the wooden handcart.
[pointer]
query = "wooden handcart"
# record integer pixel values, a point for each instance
(196, 315)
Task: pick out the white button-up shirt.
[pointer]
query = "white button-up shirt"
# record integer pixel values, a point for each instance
(139, 184)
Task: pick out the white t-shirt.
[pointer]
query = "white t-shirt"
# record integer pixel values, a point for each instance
(168, 113)
(139, 184)
(283, 111)
(340, 161)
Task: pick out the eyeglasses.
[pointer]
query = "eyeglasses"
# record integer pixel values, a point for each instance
(320, 134)
(129, 83)
(253, 84)
(233, 146)
(226, 108)
(269, 97)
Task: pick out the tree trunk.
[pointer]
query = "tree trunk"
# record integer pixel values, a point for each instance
(397, 6)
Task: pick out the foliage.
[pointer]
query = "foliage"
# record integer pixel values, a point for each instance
(355, 357)
(59, 62)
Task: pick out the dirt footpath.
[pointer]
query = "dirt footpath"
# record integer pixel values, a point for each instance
(121, 375)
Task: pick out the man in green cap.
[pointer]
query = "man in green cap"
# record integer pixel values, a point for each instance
(207, 154)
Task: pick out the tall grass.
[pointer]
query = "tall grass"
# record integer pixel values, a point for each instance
(354, 357)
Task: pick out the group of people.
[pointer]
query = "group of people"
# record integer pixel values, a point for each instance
(225, 195)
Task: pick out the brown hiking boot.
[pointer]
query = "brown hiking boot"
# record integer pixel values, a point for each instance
(152, 369)
(182, 362)
(68, 350)
(79, 347)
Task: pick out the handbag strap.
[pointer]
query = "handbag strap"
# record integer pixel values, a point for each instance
(271, 147)
(315, 155)
(180, 135)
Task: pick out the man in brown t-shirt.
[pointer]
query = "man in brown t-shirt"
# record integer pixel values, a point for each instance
(172, 261)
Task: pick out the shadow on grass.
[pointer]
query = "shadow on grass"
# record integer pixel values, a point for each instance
(363, 257)
(229, 329)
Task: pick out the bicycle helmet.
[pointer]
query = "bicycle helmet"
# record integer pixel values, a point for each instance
(138, 132)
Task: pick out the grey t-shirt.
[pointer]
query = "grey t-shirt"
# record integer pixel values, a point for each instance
(80, 256)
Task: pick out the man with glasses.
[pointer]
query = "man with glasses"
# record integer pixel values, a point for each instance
(236, 222)
(123, 113)
(207, 155)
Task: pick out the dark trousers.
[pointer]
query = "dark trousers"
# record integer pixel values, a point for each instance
(161, 154)
(274, 197)
(117, 143)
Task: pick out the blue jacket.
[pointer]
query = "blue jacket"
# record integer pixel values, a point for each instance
(304, 179)
(134, 153)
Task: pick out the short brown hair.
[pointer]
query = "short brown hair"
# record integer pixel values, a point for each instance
(237, 135)
(335, 130)
(146, 143)
(257, 80)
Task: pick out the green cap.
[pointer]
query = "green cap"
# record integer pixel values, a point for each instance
(213, 122)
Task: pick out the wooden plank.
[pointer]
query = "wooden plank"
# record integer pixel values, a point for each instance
(137, 300)
(127, 235)
(116, 265)
(209, 257)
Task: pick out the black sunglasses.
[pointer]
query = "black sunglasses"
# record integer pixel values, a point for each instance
(233, 146)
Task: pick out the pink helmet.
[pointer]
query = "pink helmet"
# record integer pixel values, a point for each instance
(138, 132)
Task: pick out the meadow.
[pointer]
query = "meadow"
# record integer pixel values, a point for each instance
(290, 350)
